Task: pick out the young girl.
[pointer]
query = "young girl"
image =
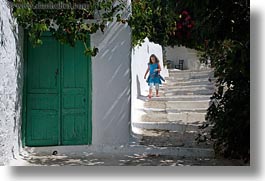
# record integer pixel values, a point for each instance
(154, 77)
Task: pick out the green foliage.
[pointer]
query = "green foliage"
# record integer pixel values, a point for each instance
(227, 44)
(70, 24)
(230, 112)
(162, 21)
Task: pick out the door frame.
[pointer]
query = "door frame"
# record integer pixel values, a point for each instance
(24, 92)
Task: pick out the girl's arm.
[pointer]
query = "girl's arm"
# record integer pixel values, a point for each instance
(159, 68)
(146, 72)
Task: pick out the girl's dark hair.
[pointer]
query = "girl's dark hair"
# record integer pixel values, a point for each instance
(156, 59)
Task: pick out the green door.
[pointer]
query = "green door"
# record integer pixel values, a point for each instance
(57, 102)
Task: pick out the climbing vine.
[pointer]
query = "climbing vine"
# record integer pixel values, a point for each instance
(68, 20)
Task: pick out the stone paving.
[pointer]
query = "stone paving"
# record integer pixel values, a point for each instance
(165, 138)
(125, 160)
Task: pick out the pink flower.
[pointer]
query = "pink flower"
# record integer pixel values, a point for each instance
(190, 25)
(185, 12)
(179, 26)
(187, 18)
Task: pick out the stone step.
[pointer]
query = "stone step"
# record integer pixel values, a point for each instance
(177, 98)
(177, 105)
(169, 126)
(174, 110)
(190, 75)
(180, 122)
(187, 105)
(162, 138)
(155, 104)
(181, 118)
(154, 110)
(186, 78)
(172, 71)
(174, 82)
(169, 90)
(186, 110)
(170, 87)
(189, 71)
(189, 92)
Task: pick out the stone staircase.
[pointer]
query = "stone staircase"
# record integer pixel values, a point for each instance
(173, 119)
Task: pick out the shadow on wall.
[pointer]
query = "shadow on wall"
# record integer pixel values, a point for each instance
(111, 85)
(20, 82)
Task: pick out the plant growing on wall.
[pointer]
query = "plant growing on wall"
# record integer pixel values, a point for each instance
(68, 20)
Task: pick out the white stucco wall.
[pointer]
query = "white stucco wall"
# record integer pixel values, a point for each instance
(190, 57)
(11, 76)
(140, 59)
(111, 74)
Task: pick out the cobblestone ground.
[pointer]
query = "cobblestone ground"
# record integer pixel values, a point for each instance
(126, 160)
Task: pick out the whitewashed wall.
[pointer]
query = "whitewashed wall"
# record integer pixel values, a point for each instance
(111, 77)
(140, 59)
(190, 57)
(111, 84)
(11, 76)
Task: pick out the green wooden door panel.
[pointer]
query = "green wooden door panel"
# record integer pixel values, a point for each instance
(43, 93)
(74, 95)
(43, 67)
(44, 131)
(57, 102)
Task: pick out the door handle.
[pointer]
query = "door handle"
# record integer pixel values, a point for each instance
(56, 73)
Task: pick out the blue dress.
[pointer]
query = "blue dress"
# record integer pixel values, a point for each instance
(154, 77)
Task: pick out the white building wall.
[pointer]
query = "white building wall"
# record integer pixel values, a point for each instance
(140, 59)
(11, 76)
(111, 77)
(190, 57)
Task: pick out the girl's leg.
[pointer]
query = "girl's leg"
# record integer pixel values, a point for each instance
(157, 90)
(157, 95)
(150, 93)
(150, 90)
